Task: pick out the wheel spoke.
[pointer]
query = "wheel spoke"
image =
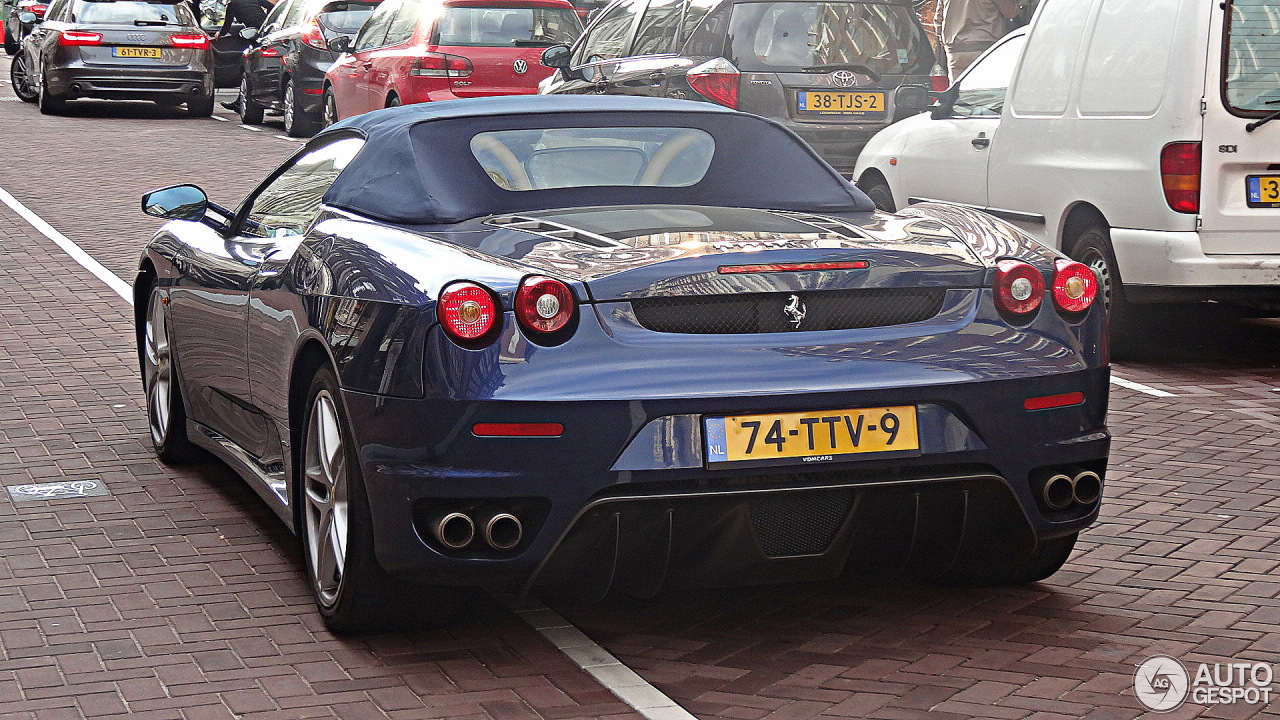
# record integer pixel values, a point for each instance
(325, 488)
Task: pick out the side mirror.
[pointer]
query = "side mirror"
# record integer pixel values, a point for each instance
(557, 56)
(342, 44)
(28, 18)
(180, 202)
(912, 98)
(946, 106)
(249, 33)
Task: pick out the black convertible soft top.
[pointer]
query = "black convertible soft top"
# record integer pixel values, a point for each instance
(416, 167)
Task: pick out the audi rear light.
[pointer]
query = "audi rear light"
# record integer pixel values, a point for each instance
(1180, 176)
(313, 36)
(544, 305)
(716, 80)
(467, 312)
(1075, 286)
(434, 64)
(1019, 287)
(38, 10)
(73, 38)
(192, 42)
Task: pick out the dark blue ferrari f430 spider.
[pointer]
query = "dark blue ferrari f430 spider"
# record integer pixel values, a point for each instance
(610, 343)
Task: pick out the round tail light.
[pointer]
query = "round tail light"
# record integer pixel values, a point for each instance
(544, 305)
(1019, 287)
(1074, 286)
(467, 311)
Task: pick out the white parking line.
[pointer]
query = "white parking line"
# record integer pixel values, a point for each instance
(250, 127)
(621, 680)
(599, 663)
(1140, 387)
(219, 117)
(122, 288)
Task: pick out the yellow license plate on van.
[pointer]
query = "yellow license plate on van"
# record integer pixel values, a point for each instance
(137, 52)
(1263, 191)
(840, 103)
(811, 436)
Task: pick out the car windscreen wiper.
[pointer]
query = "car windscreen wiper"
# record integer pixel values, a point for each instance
(1257, 124)
(533, 43)
(832, 67)
(150, 23)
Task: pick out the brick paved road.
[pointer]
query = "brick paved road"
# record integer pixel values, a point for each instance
(179, 596)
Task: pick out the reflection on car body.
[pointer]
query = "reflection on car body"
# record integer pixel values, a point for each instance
(444, 352)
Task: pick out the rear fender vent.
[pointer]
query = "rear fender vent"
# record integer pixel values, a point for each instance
(788, 312)
(552, 230)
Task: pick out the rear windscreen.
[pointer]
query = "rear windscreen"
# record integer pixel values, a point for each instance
(506, 26)
(348, 17)
(127, 11)
(798, 35)
(1252, 78)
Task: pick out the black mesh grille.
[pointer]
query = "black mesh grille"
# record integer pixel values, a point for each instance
(778, 312)
(800, 523)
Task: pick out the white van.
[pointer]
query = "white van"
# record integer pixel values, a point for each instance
(1132, 134)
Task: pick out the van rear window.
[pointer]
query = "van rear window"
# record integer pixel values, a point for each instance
(1252, 63)
(883, 38)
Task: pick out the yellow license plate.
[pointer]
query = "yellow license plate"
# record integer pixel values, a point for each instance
(137, 52)
(840, 103)
(1264, 191)
(811, 436)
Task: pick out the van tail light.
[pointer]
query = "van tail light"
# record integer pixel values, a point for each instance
(1075, 286)
(467, 312)
(1180, 176)
(313, 36)
(38, 10)
(716, 80)
(191, 42)
(73, 38)
(434, 64)
(544, 305)
(938, 79)
(1019, 287)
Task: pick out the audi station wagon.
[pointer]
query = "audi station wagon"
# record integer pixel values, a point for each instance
(577, 343)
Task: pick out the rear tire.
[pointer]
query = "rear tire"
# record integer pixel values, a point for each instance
(352, 591)
(881, 195)
(1091, 245)
(249, 111)
(393, 101)
(330, 107)
(201, 107)
(20, 77)
(296, 123)
(50, 104)
(166, 415)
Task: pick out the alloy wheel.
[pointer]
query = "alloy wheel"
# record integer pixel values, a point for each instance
(326, 490)
(159, 370)
(289, 118)
(20, 74)
(1098, 264)
(242, 101)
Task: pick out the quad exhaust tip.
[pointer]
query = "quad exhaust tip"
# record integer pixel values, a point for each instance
(1058, 492)
(1087, 487)
(454, 530)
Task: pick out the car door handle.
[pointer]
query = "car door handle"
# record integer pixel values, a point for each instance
(981, 141)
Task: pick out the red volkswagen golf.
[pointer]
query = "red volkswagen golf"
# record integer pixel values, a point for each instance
(413, 51)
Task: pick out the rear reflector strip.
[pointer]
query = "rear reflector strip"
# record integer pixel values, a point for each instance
(1053, 401)
(793, 267)
(517, 429)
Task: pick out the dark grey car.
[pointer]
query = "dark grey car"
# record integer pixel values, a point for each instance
(284, 65)
(119, 50)
(833, 71)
